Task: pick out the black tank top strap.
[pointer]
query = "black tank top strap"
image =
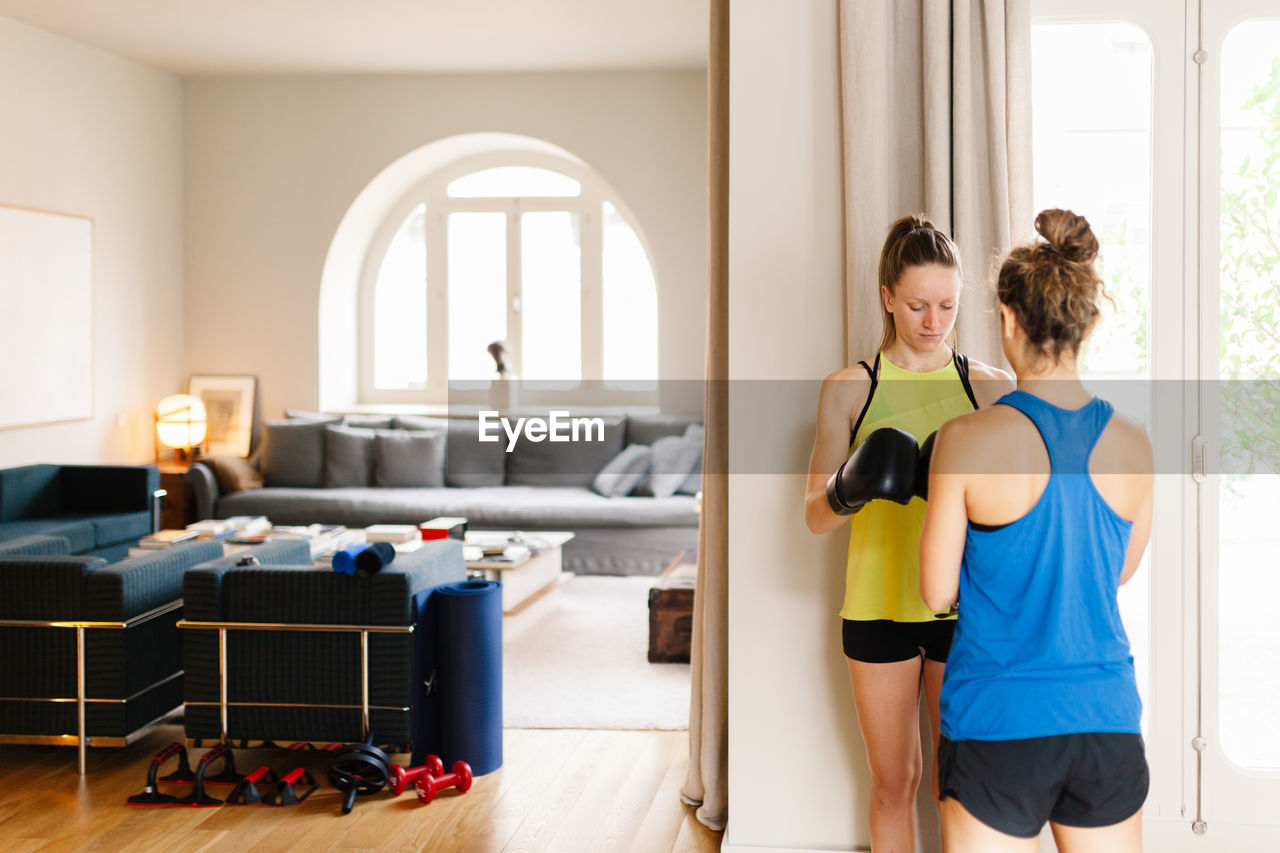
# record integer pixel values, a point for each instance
(873, 372)
(962, 368)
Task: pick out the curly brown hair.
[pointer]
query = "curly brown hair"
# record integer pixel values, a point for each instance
(913, 241)
(1052, 285)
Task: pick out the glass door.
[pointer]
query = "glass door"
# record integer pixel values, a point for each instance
(1240, 411)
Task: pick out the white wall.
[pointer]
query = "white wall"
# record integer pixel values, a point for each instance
(272, 164)
(796, 761)
(89, 133)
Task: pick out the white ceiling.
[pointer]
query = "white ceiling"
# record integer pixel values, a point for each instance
(210, 37)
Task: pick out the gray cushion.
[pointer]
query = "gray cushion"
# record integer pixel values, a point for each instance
(409, 458)
(490, 508)
(565, 463)
(470, 463)
(293, 453)
(674, 458)
(368, 421)
(623, 472)
(348, 456)
(646, 429)
(693, 483)
(421, 423)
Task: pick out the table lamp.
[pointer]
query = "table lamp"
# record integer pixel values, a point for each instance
(182, 424)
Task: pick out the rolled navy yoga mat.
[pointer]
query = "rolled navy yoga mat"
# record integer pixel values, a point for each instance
(458, 708)
(375, 558)
(344, 561)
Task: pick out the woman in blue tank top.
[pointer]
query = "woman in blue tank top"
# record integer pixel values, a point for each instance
(1039, 508)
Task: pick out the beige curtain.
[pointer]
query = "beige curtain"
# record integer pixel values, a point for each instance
(706, 785)
(937, 119)
(937, 116)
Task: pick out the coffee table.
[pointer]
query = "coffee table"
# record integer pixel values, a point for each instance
(524, 575)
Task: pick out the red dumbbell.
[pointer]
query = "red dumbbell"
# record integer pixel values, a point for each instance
(460, 778)
(402, 776)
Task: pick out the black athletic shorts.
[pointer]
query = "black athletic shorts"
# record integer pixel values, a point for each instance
(885, 641)
(1014, 786)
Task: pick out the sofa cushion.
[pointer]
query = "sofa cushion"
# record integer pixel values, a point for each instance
(234, 473)
(564, 463)
(348, 456)
(693, 483)
(409, 458)
(491, 508)
(646, 429)
(37, 544)
(30, 491)
(469, 462)
(623, 472)
(674, 458)
(293, 453)
(114, 528)
(202, 585)
(79, 533)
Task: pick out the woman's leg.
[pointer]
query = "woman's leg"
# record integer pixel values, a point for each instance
(1123, 837)
(964, 833)
(887, 696)
(932, 690)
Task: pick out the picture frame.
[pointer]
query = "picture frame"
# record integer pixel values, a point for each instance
(229, 402)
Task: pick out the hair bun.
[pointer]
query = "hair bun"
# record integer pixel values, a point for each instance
(1068, 234)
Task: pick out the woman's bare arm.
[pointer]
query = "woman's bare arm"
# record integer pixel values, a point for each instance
(843, 395)
(946, 518)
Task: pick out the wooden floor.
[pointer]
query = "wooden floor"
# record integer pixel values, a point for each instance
(559, 790)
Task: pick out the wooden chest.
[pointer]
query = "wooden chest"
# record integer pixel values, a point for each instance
(671, 612)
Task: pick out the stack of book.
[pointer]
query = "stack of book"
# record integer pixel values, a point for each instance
(392, 533)
(160, 540)
(215, 529)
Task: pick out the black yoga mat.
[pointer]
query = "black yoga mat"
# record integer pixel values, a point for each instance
(458, 708)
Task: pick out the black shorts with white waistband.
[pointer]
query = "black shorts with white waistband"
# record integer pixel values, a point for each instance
(1014, 786)
(886, 641)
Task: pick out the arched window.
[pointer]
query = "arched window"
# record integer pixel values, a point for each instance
(523, 247)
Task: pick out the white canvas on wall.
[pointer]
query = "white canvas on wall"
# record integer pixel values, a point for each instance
(46, 304)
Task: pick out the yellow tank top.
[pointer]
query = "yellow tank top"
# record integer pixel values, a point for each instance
(882, 575)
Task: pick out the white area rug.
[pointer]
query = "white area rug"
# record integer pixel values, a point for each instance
(577, 658)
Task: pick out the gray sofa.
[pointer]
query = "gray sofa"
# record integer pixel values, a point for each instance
(362, 470)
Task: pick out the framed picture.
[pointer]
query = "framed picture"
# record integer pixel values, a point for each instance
(230, 405)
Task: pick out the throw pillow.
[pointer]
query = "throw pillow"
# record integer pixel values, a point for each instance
(674, 458)
(623, 472)
(564, 463)
(348, 456)
(410, 458)
(469, 462)
(293, 453)
(234, 473)
(693, 483)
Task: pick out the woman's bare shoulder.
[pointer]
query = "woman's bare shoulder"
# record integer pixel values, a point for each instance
(989, 383)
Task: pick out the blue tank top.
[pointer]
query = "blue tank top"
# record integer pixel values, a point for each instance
(1039, 648)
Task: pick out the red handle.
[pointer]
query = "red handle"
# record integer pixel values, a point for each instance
(258, 775)
(217, 752)
(293, 775)
(169, 751)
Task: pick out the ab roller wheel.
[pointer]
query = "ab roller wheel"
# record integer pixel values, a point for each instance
(361, 769)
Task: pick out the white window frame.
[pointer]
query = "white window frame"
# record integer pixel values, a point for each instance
(433, 192)
(1198, 799)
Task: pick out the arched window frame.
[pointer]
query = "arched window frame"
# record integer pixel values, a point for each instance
(433, 192)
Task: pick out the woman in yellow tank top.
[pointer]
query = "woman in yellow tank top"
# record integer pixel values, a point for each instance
(915, 382)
